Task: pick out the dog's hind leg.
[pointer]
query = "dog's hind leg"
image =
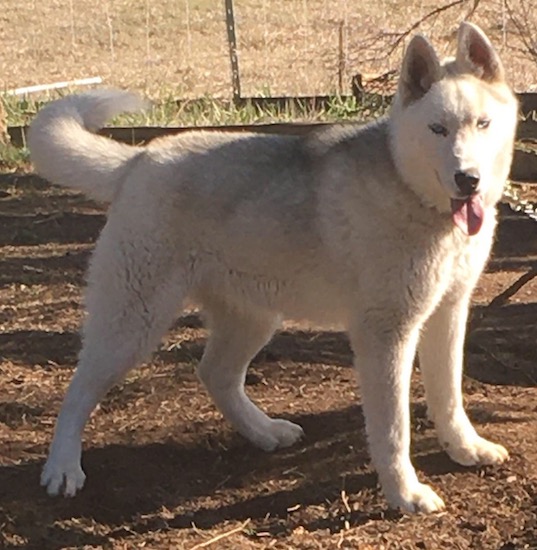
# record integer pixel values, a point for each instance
(130, 304)
(234, 340)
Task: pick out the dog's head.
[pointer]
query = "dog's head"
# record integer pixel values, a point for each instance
(453, 126)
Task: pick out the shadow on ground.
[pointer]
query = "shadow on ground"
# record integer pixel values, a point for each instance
(175, 476)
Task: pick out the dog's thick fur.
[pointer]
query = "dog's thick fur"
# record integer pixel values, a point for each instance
(383, 228)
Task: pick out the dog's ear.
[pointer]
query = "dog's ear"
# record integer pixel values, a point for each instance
(476, 55)
(420, 70)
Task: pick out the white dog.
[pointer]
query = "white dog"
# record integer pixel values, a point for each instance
(383, 228)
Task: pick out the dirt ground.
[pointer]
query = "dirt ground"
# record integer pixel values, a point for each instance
(165, 471)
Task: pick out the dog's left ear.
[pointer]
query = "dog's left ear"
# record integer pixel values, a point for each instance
(420, 70)
(476, 55)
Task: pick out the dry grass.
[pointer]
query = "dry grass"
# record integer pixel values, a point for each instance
(179, 48)
(3, 125)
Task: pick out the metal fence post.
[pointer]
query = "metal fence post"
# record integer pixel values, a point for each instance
(232, 41)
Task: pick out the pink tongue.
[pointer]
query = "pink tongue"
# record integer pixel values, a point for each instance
(468, 214)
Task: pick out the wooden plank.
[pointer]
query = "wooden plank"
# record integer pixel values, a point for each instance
(524, 167)
(144, 134)
(17, 135)
(527, 130)
(528, 102)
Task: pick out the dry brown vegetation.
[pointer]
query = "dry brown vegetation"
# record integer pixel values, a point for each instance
(3, 125)
(179, 47)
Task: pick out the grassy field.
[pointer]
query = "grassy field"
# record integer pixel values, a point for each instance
(178, 48)
(170, 49)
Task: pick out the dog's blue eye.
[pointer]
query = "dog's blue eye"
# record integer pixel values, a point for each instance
(438, 129)
(483, 123)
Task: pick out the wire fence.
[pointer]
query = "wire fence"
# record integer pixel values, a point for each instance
(180, 48)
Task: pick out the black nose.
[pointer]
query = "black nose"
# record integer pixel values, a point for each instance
(467, 182)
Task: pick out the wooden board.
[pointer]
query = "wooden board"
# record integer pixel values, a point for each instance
(524, 166)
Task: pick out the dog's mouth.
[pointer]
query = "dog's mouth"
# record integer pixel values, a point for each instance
(468, 213)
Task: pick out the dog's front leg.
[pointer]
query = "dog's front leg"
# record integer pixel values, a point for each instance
(441, 362)
(384, 357)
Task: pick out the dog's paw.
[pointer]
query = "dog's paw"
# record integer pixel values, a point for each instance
(278, 434)
(415, 499)
(62, 477)
(477, 451)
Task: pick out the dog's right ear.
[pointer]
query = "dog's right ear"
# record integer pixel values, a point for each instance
(476, 55)
(420, 70)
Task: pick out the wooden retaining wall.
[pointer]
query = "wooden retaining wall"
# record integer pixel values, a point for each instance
(524, 164)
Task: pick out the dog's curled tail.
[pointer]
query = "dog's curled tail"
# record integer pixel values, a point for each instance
(65, 150)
